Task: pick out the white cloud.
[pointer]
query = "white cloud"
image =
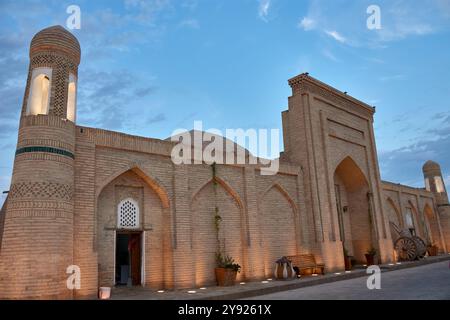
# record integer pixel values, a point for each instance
(403, 30)
(263, 9)
(336, 36)
(400, 19)
(190, 23)
(307, 24)
(328, 54)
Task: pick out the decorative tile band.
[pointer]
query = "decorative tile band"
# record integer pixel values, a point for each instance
(46, 149)
(45, 190)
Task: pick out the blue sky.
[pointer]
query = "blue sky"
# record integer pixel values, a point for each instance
(150, 67)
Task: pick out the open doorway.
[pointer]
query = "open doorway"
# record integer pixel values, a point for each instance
(353, 209)
(128, 258)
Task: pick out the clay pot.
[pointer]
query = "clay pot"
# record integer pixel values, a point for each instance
(370, 258)
(348, 263)
(225, 277)
(284, 271)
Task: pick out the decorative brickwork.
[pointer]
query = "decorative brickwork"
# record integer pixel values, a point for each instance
(41, 190)
(71, 190)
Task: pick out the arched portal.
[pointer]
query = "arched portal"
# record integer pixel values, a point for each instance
(278, 225)
(216, 198)
(133, 233)
(353, 209)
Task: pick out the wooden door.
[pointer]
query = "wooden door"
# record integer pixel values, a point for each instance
(135, 252)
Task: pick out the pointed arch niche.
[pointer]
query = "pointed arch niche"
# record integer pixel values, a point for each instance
(232, 232)
(151, 228)
(353, 209)
(432, 225)
(279, 230)
(395, 218)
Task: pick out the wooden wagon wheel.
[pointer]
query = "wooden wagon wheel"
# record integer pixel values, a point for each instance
(406, 249)
(421, 247)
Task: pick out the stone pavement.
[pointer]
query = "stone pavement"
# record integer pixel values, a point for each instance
(264, 288)
(427, 282)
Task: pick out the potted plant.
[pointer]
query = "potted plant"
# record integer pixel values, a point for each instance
(226, 270)
(433, 250)
(347, 260)
(370, 256)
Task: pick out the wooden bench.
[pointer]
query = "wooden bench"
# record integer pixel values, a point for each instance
(307, 265)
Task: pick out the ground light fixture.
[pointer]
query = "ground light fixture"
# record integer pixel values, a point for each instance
(160, 291)
(192, 291)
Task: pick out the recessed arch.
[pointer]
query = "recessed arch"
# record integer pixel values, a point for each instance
(352, 174)
(152, 182)
(278, 224)
(395, 218)
(284, 192)
(431, 224)
(223, 184)
(415, 215)
(129, 208)
(398, 216)
(353, 208)
(217, 197)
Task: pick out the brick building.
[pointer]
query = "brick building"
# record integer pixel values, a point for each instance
(88, 197)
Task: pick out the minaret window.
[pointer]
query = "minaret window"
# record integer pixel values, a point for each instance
(427, 184)
(39, 97)
(439, 184)
(72, 98)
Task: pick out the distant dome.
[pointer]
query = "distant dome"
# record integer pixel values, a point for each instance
(56, 39)
(431, 165)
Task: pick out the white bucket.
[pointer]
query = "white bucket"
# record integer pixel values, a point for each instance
(104, 293)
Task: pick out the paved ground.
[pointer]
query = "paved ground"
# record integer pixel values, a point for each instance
(423, 282)
(430, 275)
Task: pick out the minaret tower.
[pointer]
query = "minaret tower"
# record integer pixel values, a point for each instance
(37, 242)
(434, 182)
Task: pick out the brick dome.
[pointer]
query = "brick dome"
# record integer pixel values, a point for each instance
(431, 165)
(56, 39)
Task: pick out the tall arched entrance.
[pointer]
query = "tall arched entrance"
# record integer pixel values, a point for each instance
(353, 209)
(133, 239)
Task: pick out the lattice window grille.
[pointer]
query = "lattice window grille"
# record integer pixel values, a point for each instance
(128, 214)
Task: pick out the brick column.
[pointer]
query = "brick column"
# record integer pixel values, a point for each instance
(184, 266)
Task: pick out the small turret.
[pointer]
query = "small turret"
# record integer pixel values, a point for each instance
(434, 182)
